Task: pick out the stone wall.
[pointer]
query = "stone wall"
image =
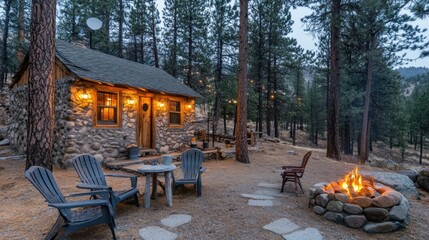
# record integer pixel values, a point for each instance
(172, 139)
(74, 125)
(18, 118)
(104, 143)
(4, 108)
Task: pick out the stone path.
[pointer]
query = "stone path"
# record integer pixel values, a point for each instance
(289, 230)
(158, 233)
(264, 197)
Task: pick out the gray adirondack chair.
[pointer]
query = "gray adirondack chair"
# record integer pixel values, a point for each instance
(73, 215)
(92, 177)
(192, 169)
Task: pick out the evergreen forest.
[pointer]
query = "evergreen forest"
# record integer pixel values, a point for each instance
(349, 91)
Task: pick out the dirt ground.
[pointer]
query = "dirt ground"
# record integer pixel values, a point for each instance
(220, 213)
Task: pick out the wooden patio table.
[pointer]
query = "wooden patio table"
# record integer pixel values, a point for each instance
(151, 172)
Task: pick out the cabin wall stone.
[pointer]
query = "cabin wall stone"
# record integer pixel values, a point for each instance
(173, 139)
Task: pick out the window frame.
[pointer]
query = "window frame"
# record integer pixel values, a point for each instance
(180, 112)
(99, 123)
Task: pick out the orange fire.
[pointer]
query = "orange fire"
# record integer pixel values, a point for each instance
(352, 182)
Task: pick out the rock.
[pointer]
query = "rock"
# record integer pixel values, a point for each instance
(374, 214)
(398, 213)
(70, 125)
(384, 201)
(281, 226)
(345, 198)
(399, 182)
(364, 202)
(95, 146)
(411, 173)
(335, 206)
(331, 196)
(395, 194)
(322, 199)
(4, 142)
(313, 192)
(352, 208)
(355, 221)
(383, 227)
(319, 210)
(164, 149)
(333, 216)
(99, 157)
(175, 220)
(290, 152)
(423, 179)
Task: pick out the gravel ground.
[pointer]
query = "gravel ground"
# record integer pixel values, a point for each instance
(219, 214)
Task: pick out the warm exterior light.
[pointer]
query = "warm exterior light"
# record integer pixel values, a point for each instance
(189, 106)
(131, 101)
(161, 104)
(84, 96)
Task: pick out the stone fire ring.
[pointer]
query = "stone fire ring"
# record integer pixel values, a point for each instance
(385, 213)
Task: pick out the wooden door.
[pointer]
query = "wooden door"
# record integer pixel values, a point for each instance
(145, 123)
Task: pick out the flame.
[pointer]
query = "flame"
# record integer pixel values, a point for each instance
(352, 181)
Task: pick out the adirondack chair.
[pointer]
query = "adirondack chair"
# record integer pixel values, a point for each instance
(294, 173)
(92, 177)
(192, 160)
(84, 214)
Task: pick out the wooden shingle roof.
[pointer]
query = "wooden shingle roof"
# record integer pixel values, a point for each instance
(93, 65)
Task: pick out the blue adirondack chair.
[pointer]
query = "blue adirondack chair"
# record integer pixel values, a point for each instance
(192, 169)
(73, 215)
(92, 177)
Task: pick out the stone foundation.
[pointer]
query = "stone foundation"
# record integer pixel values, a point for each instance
(385, 211)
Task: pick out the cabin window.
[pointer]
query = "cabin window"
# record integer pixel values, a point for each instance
(174, 113)
(107, 109)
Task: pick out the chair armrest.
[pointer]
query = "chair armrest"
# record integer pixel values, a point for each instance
(103, 193)
(133, 178)
(93, 186)
(76, 204)
(289, 167)
(202, 169)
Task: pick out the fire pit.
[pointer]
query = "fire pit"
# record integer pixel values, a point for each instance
(358, 202)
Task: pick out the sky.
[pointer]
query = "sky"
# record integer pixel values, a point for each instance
(307, 42)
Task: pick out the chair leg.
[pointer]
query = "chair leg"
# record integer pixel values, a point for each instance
(113, 231)
(199, 186)
(55, 228)
(299, 182)
(283, 184)
(137, 200)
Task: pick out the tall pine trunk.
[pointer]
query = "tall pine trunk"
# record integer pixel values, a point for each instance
(120, 30)
(4, 62)
(241, 152)
(20, 54)
(333, 148)
(40, 124)
(154, 40)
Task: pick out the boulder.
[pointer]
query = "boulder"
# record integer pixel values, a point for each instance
(335, 217)
(383, 227)
(319, 210)
(374, 214)
(322, 199)
(352, 208)
(399, 182)
(355, 221)
(411, 173)
(335, 206)
(362, 201)
(423, 179)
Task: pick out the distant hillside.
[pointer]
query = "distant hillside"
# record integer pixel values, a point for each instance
(410, 83)
(411, 71)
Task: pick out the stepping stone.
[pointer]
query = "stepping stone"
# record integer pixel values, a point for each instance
(281, 226)
(257, 196)
(156, 233)
(260, 203)
(270, 185)
(176, 220)
(270, 192)
(306, 234)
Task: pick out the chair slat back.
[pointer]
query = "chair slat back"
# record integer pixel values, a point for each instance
(44, 181)
(192, 160)
(89, 169)
(305, 159)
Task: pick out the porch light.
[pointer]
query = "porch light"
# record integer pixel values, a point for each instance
(189, 106)
(84, 96)
(131, 101)
(161, 104)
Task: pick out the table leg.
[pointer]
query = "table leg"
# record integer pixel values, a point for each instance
(147, 191)
(154, 185)
(168, 190)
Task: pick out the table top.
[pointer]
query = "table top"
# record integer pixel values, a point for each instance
(156, 168)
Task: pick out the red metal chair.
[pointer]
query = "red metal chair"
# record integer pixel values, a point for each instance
(294, 173)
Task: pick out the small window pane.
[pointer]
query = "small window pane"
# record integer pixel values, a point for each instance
(175, 118)
(174, 106)
(107, 108)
